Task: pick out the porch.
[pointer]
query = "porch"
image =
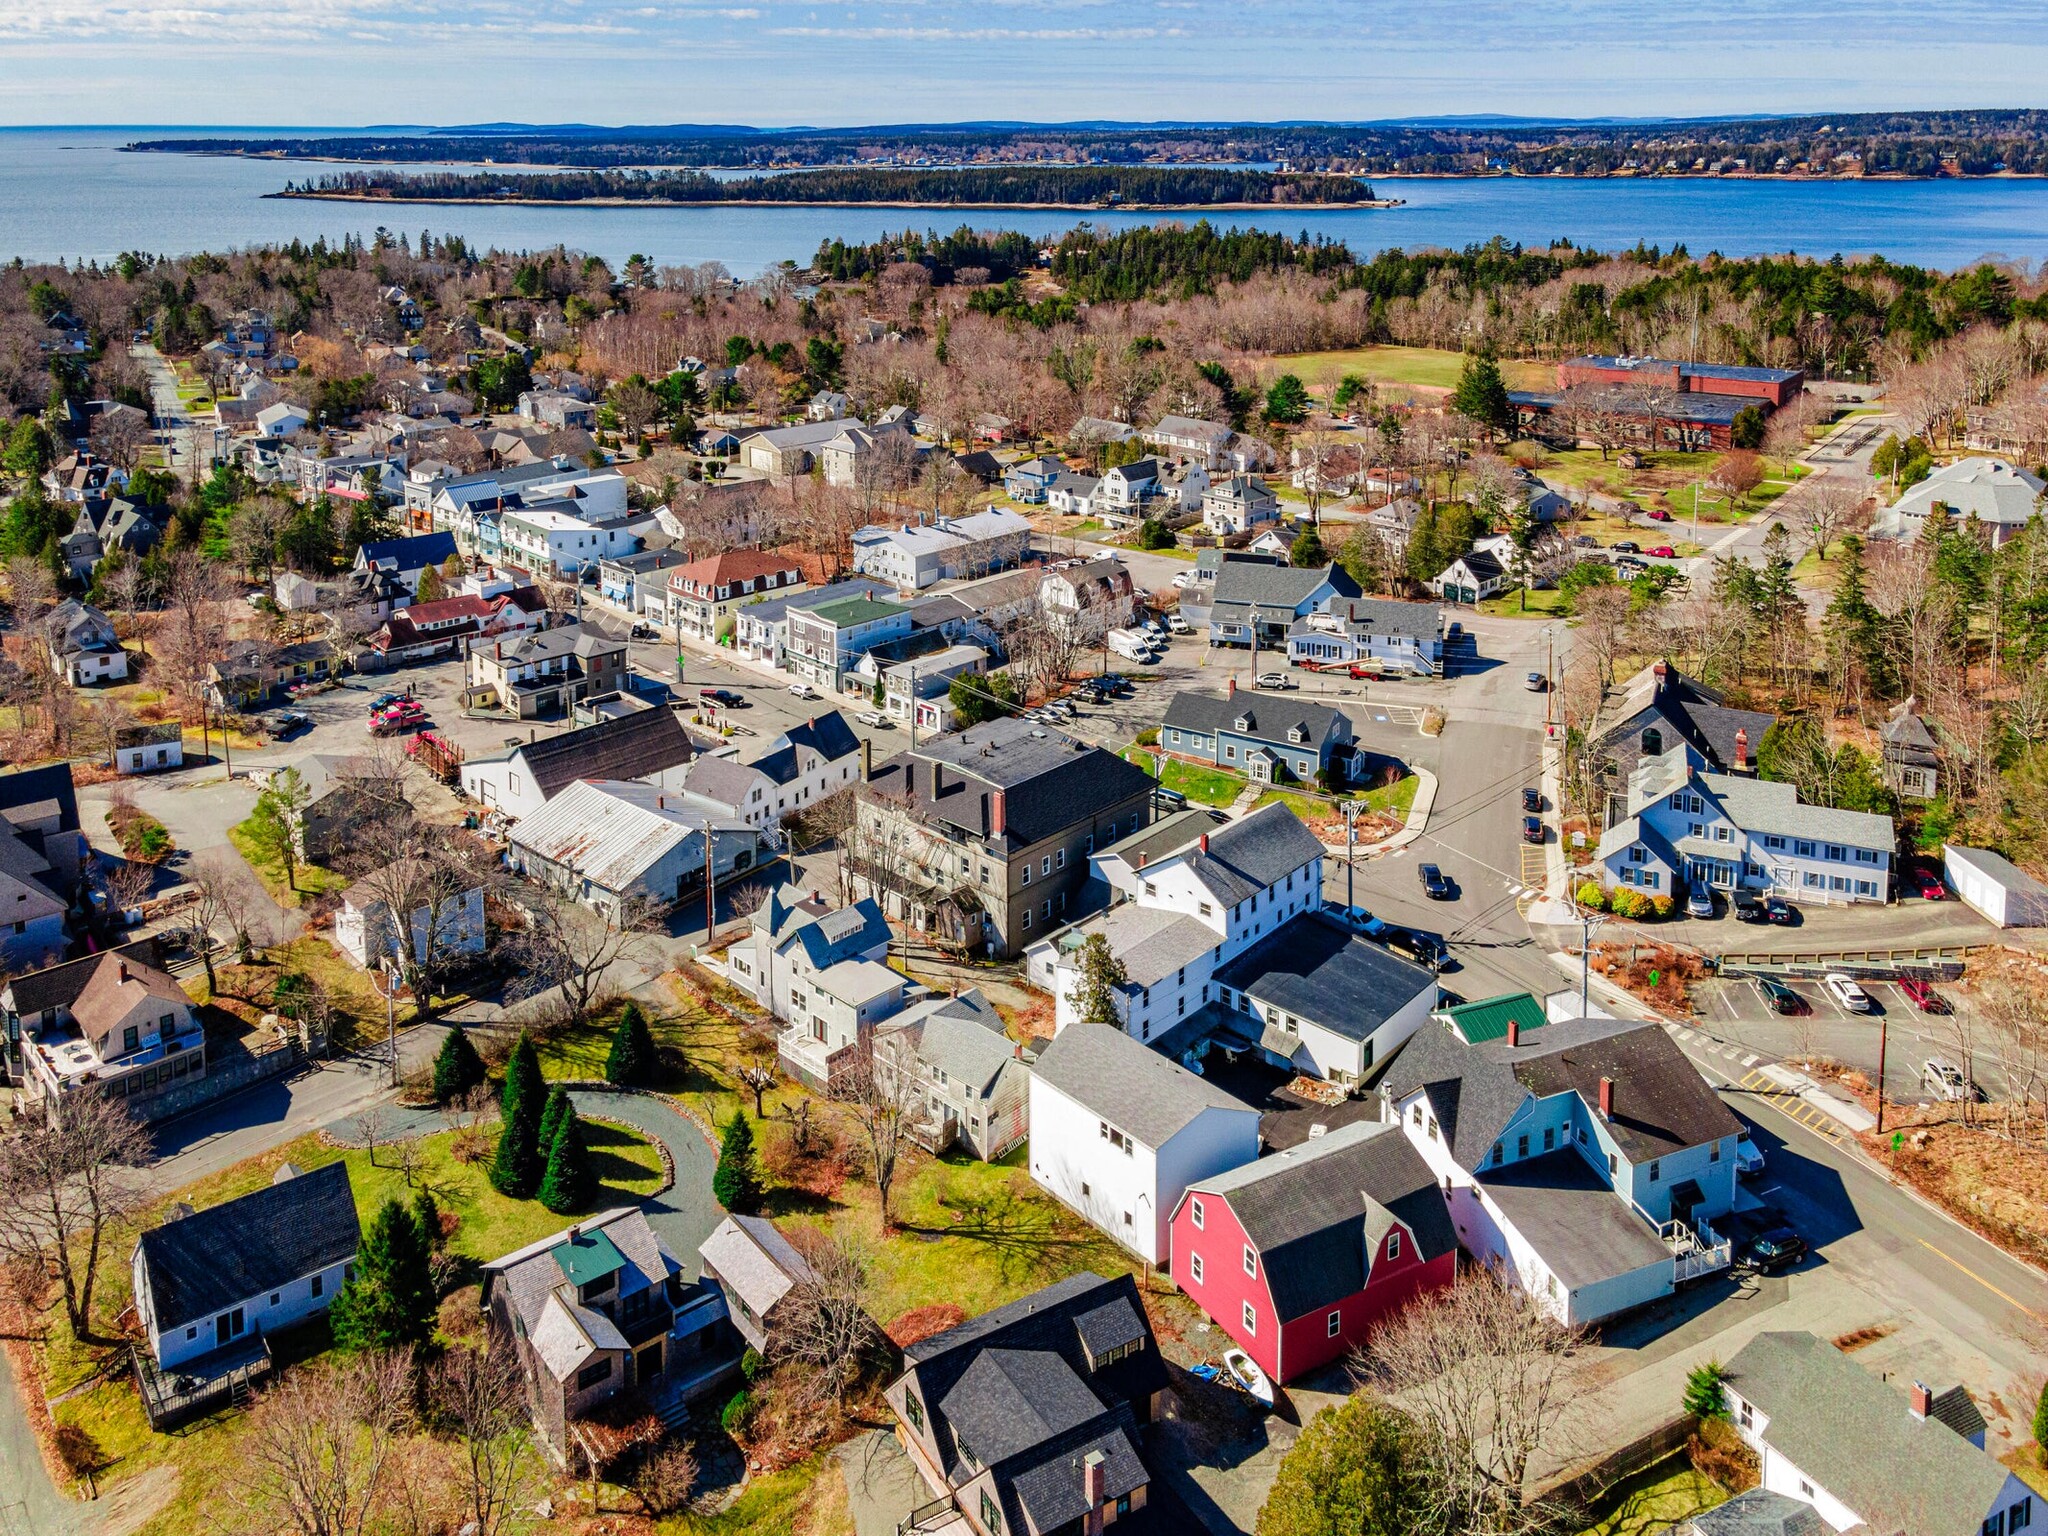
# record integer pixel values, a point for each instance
(222, 1378)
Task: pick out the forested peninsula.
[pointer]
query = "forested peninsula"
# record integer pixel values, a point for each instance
(1052, 186)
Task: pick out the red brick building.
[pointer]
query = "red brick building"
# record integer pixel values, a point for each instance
(1296, 1256)
(1774, 386)
(1662, 404)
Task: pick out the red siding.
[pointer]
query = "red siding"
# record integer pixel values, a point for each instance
(1304, 1343)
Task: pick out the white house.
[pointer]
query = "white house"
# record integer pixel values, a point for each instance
(966, 1077)
(1999, 495)
(1586, 1157)
(1193, 909)
(705, 593)
(149, 748)
(1687, 827)
(1377, 631)
(520, 780)
(225, 1276)
(1118, 1132)
(553, 541)
(611, 844)
(1867, 1457)
(1094, 596)
(1208, 443)
(1123, 493)
(915, 555)
(83, 644)
(281, 419)
(1238, 504)
(1471, 578)
(129, 1029)
(820, 970)
(366, 931)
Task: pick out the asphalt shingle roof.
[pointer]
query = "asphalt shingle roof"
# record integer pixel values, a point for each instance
(1104, 1069)
(1313, 1211)
(1253, 853)
(623, 747)
(1315, 968)
(205, 1263)
(1277, 587)
(1268, 717)
(1049, 781)
(1855, 1436)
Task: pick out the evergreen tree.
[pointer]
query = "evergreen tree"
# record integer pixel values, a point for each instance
(389, 1302)
(426, 1210)
(1287, 401)
(1703, 1396)
(568, 1184)
(1103, 978)
(2041, 1418)
(1482, 395)
(1308, 552)
(735, 1183)
(1358, 1469)
(633, 1059)
(523, 1077)
(1422, 542)
(457, 1068)
(557, 1110)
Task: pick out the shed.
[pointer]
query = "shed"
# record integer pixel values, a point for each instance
(1996, 888)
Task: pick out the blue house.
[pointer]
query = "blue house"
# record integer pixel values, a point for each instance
(1270, 737)
(406, 557)
(1029, 481)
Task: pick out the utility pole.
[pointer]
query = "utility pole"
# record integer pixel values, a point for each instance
(1883, 1031)
(390, 1017)
(710, 884)
(1350, 842)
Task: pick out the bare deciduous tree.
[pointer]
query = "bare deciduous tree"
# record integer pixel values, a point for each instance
(1829, 508)
(319, 1444)
(476, 1388)
(63, 1186)
(570, 948)
(881, 1103)
(825, 1338)
(1489, 1379)
(423, 875)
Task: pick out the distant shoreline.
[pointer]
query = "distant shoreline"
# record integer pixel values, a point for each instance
(818, 202)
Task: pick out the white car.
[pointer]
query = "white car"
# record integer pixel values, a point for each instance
(1844, 991)
(1182, 578)
(873, 717)
(1946, 1082)
(803, 690)
(1179, 625)
(1273, 680)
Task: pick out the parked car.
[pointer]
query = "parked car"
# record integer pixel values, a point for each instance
(1658, 515)
(1699, 901)
(1362, 920)
(285, 722)
(1749, 1162)
(1179, 625)
(1585, 541)
(1425, 949)
(1771, 1249)
(644, 632)
(1535, 682)
(803, 690)
(1626, 547)
(1277, 680)
(1922, 995)
(1182, 578)
(1434, 885)
(1780, 913)
(384, 701)
(1781, 998)
(1926, 884)
(1945, 1081)
(1532, 798)
(725, 698)
(1532, 829)
(1748, 909)
(876, 720)
(1662, 552)
(1847, 994)
(1172, 799)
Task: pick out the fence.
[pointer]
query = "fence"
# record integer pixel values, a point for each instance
(175, 1398)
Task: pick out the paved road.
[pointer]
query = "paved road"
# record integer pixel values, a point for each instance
(179, 434)
(30, 1504)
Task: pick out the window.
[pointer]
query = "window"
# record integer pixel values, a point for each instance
(593, 1373)
(1803, 848)
(1772, 840)
(1522, 1145)
(1805, 1489)
(2021, 1515)
(1714, 1153)
(991, 1517)
(1027, 917)
(275, 1298)
(1195, 1213)
(1335, 1324)
(1498, 1153)
(1195, 1268)
(1251, 1261)
(1866, 855)
(1654, 1171)
(1722, 833)
(1060, 859)
(1045, 909)
(1207, 910)
(1549, 1137)
(1027, 876)
(1251, 1320)
(1613, 1166)
(191, 1333)
(319, 1286)
(1394, 1245)
(1045, 865)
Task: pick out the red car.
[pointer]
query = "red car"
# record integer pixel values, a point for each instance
(1926, 884)
(1662, 552)
(1658, 515)
(1923, 996)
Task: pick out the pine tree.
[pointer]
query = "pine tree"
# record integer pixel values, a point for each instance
(568, 1184)
(557, 1109)
(734, 1183)
(1482, 395)
(632, 1060)
(1703, 1396)
(516, 1168)
(523, 1077)
(457, 1068)
(2041, 1418)
(389, 1302)
(1103, 978)
(426, 1210)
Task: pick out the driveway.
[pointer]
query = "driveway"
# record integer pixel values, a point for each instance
(30, 1504)
(882, 1485)
(686, 1214)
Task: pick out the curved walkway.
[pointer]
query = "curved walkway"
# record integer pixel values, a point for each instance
(685, 1213)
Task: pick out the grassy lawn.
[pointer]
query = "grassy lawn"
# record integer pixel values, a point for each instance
(1656, 1500)
(1812, 571)
(1429, 367)
(1586, 469)
(1396, 797)
(311, 879)
(1206, 786)
(1541, 604)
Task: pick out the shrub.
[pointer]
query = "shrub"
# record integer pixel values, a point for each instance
(1592, 897)
(2041, 1418)
(1717, 1452)
(1631, 905)
(735, 1183)
(1662, 906)
(668, 1473)
(1149, 737)
(457, 1068)
(751, 1364)
(732, 1418)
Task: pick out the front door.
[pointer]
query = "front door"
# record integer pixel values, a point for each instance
(647, 1362)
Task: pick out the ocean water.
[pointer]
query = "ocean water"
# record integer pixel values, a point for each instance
(70, 194)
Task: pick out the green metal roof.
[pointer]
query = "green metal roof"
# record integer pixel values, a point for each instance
(850, 611)
(1488, 1018)
(588, 1256)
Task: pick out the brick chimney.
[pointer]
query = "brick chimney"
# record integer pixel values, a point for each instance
(124, 970)
(1919, 1400)
(1660, 671)
(1606, 1098)
(1233, 688)
(1514, 1032)
(1094, 1487)
(998, 817)
(1742, 749)
(1205, 842)
(1143, 856)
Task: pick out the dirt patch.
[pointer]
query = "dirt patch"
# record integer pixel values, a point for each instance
(132, 1504)
(1658, 974)
(1998, 1187)
(921, 1323)
(1857, 1338)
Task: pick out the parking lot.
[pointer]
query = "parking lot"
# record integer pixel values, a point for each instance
(1737, 1008)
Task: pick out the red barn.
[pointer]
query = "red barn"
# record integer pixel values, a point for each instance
(1297, 1255)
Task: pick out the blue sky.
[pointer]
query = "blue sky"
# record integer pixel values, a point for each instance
(770, 63)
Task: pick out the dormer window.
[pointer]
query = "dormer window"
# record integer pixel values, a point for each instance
(1244, 722)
